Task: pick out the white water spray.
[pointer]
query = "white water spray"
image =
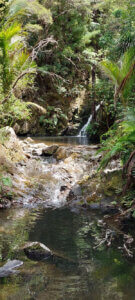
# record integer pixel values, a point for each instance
(83, 129)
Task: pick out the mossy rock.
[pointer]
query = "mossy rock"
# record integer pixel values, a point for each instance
(37, 251)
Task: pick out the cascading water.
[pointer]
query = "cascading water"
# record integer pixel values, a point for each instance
(83, 129)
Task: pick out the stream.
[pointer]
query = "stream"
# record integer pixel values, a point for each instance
(62, 140)
(82, 272)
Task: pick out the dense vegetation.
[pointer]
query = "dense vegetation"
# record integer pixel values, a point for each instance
(59, 61)
(52, 51)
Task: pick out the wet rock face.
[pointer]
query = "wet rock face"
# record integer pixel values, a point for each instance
(37, 251)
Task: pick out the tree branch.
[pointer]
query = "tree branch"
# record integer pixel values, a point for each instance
(29, 71)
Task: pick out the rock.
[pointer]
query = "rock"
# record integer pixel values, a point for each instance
(34, 149)
(41, 145)
(8, 133)
(5, 203)
(9, 267)
(63, 188)
(16, 128)
(28, 140)
(37, 251)
(72, 129)
(40, 149)
(25, 128)
(37, 152)
(50, 150)
(95, 206)
(37, 108)
(76, 190)
(13, 148)
(61, 153)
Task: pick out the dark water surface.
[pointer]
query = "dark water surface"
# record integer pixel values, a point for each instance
(82, 272)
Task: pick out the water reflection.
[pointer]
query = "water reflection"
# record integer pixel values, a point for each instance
(82, 273)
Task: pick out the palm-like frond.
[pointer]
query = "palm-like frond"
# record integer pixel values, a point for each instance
(7, 33)
(7, 48)
(127, 60)
(123, 76)
(14, 59)
(21, 8)
(112, 70)
(20, 60)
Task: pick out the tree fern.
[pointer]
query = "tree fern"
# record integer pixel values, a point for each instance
(6, 35)
(122, 74)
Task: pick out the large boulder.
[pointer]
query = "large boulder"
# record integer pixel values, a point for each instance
(8, 134)
(11, 145)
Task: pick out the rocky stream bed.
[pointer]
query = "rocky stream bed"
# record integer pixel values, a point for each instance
(60, 234)
(53, 176)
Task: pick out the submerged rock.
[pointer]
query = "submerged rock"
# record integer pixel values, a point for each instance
(9, 267)
(37, 251)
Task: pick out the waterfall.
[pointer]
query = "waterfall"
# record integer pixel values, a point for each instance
(83, 129)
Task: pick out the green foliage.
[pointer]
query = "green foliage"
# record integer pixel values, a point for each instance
(15, 109)
(6, 47)
(117, 27)
(5, 187)
(3, 137)
(123, 76)
(6, 181)
(24, 9)
(120, 140)
(65, 40)
(92, 129)
(14, 65)
(53, 119)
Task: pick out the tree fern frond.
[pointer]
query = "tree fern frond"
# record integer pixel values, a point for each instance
(29, 8)
(112, 70)
(128, 60)
(9, 32)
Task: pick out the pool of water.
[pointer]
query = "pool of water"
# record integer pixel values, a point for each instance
(82, 273)
(62, 140)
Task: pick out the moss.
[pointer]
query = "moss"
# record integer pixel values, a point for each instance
(112, 183)
(94, 197)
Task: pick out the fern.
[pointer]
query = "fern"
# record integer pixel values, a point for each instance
(122, 76)
(121, 140)
(23, 9)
